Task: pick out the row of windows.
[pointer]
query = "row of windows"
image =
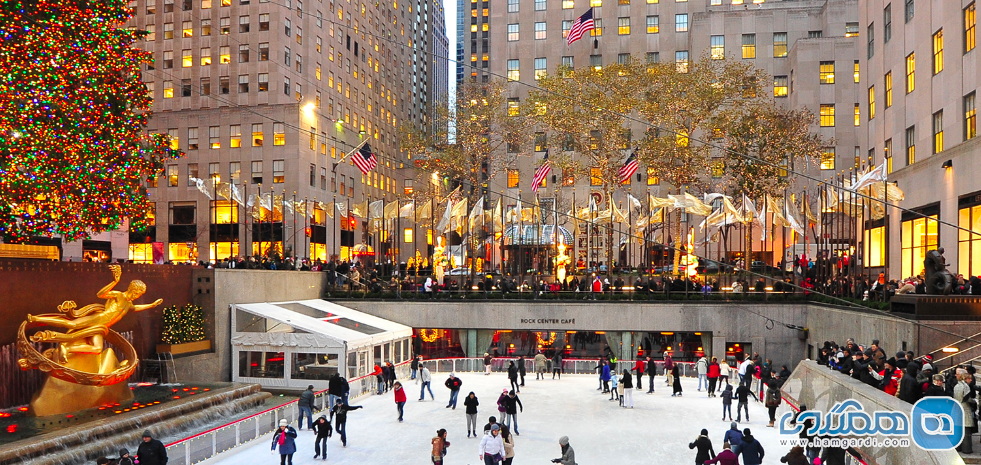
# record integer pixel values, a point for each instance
(595, 177)
(969, 39)
(205, 29)
(234, 136)
(540, 5)
(595, 61)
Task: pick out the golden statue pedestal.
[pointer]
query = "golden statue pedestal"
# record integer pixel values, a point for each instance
(59, 397)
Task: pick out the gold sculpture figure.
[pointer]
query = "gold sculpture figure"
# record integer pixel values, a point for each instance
(83, 371)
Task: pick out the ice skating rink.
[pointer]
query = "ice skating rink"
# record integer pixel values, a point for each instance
(657, 430)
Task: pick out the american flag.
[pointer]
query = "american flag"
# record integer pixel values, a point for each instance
(628, 169)
(365, 159)
(541, 173)
(580, 27)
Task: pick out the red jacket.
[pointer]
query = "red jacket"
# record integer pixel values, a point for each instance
(639, 366)
(713, 370)
(399, 394)
(597, 285)
(726, 457)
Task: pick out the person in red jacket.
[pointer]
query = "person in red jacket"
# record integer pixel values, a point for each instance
(639, 368)
(713, 376)
(399, 398)
(597, 287)
(726, 457)
(889, 377)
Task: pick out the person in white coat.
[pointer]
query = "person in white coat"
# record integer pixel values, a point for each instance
(492, 447)
(702, 367)
(426, 379)
(961, 391)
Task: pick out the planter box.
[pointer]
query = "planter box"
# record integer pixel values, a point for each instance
(186, 348)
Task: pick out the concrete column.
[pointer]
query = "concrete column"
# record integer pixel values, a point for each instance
(626, 346)
(472, 343)
(719, 346)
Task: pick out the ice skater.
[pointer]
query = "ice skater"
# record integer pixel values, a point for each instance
(727, 402)
(627, 398)
(605, 376)
(471, 404)
(513, 376)
(701, 368)
(414, 366)
(557, 365)
(305, 404)
(668, 369)
(339, 414)
(439, 446)
(324, 431)
(453, 384)
(713, 376)
(491, 449)
(512, 404)
(427, 380)
(399, 399)
(639, 368)
(284, 438)
(521, 369)
(705, 451)
(614, 387)
(676, 380)
(568, 455)
(743, 394)
(487, 363)
(540, 365)
(651, 373)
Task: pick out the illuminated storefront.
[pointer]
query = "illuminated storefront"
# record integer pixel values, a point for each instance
(918, 236)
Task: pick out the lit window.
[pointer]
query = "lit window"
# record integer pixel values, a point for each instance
(513, 34)
(938, 132)
(749, 46)
(513, 73)
(718, 47)
(888, 79)
(779, 44)
(652, 24)
(970, 117)
(871, 105)
(828, 158)
(205, 56)
(187, 29)
(214, 137)
(681, 23)
(718, 168)
(257, 135)
(970, 34)
(514, 107)
(279, 171)
(851, 29)
(910, 145)
(910, 72)
(855, 74)
(652, 179)
(224, 54)
(827, 115)
(917, 236)
(235, 136)
(858, 112)
(540, 68)
(779, 86)
(168, 30)
(168, 89)
(595, 3)
(938, 51)
(595, 177)
(172, 176)
(827, 75)
(568, 4)
(513, 178)
(187, 60)
(623, 26)
(597, 28)
(887, 154)
(279, 134)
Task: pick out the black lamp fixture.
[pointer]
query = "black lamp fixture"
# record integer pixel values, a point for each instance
(947, 164)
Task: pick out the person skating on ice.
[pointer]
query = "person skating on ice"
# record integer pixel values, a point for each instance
(399, 399)
(568, 455)
(284, 440)
(339, 414)
(471, 404)
(324, 431)
(705, 450)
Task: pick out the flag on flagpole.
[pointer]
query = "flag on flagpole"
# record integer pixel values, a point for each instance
(628, 169)
(580, 27)
(541, 173)
(365, 159)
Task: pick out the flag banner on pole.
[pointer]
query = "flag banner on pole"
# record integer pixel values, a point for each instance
(580, 27)
(541, 173)
(365, 159)
(199, 183)
(407, 210)
(360, 209)
(628, 169)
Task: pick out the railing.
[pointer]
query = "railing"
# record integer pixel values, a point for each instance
(569, 366)
(207, 444)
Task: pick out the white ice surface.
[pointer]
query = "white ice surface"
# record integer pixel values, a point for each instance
(656, 431)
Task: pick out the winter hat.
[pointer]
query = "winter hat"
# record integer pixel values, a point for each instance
(705, 432)
(146, 434)
(310, 387)
(733, 425)
(283, 422)
(511, 392)
(747, 432)
(495, 427)
(564, 440)
(868, 352)
(492, 420)
(123, 452)
(900, 354)
(927, 366)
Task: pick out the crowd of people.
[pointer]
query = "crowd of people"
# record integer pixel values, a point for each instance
(907, 377)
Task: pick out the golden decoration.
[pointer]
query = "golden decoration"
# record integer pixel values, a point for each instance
(543, 342)
(427, 337)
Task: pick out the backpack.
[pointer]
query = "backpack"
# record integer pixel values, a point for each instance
(773, 397)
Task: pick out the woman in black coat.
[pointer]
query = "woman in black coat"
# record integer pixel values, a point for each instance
(513, 376)
(704, 446)
(676, 372)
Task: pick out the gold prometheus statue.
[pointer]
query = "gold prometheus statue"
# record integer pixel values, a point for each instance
(83, 370)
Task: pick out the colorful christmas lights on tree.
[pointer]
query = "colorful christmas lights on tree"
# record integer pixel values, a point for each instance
(73, 110)
(182, 324)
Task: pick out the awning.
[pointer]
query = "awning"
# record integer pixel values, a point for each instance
(539, 235)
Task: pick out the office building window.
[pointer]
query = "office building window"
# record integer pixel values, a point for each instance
(717, 45)
(910, 72)
(938, 52)
(192, 174)
(567, 62)
(827, 115)
(243, 83)
(279, 134)
(828, 158)
(909, 14)
(887, 155)
(234, 172)
(871, 105)
(652, 179)
(938, 132)
(513, 178)
(235, 136)
(513, 33)
(566, 27)
(597, 28)
(205, 56)
(623, 58)
(855, 73)
(168, 89)
(851, 29)
(969, 241)
(827, 72)
(652, 57)
(264, 51)
(214, 137)
(168, 59)
(168, 30)
(540, 68)
(224, 54)
(568, 4)
(223, 85)
(779, 86)
(172, 176)
(257, 135)
(749, 46)
(779, 44)
(279, 170)
(205, 86)
(187, 60)
(875, 246)
(858, 113)
(870, 46)
(681, 23)
(970, 117)
(512, 6)
(653, 24)
(263, 82)
(513, 72)
(243, 53)
(257, 172)
(623, 26)
(681, 61)
(540, 31)
(185, 87)
(970, 21)
(888, 81)
(910, 145)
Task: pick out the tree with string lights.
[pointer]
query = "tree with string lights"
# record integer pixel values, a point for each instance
(74, 153)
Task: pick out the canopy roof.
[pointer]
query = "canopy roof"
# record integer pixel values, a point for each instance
(325, 319)
(532, 234)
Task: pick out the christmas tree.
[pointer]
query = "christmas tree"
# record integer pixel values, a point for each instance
(182, 324)
(73, 109)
